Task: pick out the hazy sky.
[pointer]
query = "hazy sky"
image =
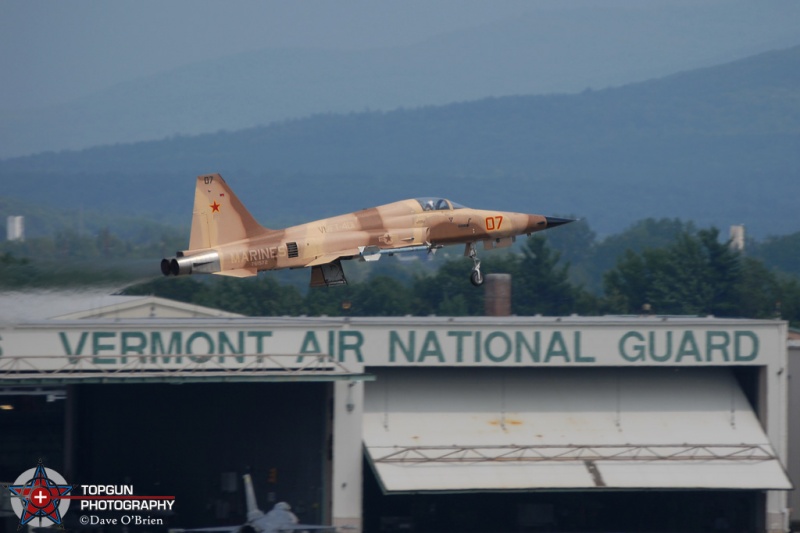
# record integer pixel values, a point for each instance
(54, 51)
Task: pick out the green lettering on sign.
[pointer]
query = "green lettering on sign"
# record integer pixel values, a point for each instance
(173, 348)
(133, 342)
(206, 339)
(721, 345)
(353, 345)
(632, 351)
(395, 343)
(431, 348)
(688, 348)
(310, 345)
(745, 346)
(226, 344)
(477, 346)
(259, 336)
(533, 348)
(579, 357)
(498, 355)
(557, 348)
(652, 346)
(69, 350)
(460, 336)
(98, 346)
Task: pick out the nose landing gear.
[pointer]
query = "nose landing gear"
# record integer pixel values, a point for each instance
(476, 277)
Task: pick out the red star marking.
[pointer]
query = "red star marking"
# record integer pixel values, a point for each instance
(215, 207)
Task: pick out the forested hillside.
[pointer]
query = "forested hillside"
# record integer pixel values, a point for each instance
(694, 274)
(716, 146)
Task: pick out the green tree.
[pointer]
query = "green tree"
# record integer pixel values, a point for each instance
(448, 292)
(330, 301)
(789, 304)
(644, 234)
(540, 285)
(382, 296)
(576, 243)
(627, 285)
(13, 271)
(722, 272)
(696, 275)
(759, 290)
(781, 253)
(262, 296)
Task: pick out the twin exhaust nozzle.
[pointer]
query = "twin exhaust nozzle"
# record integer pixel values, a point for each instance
(206, 263)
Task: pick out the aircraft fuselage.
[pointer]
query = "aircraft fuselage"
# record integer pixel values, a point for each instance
(390, 227)
(226, 239)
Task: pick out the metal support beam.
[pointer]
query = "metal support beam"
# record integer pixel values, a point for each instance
(559, 453)
(50, 370)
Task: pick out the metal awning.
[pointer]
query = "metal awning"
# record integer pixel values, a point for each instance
(532, 429)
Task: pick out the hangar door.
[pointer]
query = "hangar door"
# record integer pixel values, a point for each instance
(445, 430)
(196, 440)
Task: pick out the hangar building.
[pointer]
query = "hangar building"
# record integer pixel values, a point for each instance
(428, 424)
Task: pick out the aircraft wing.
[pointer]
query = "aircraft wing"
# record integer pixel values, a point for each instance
(367, 253)
(327, 258)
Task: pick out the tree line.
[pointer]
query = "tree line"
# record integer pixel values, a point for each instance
(663, 267)
(696, 274)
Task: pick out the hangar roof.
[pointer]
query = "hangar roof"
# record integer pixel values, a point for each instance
(27, 306)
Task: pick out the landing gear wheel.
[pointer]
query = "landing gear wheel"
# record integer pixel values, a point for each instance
(476, 278)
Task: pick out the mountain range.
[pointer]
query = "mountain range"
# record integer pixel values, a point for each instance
(716, 145)
(547, 51)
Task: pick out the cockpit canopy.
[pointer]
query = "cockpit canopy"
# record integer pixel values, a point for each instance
(438, 204)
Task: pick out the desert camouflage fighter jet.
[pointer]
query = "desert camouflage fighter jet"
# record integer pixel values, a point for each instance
(227, 240)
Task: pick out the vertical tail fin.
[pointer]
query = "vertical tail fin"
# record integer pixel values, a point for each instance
(219, 217)
(253, 512)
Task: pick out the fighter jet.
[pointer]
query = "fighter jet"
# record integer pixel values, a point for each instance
(279, 520)
(226, 239)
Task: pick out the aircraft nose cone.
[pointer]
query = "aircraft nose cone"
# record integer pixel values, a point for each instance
(552, 222)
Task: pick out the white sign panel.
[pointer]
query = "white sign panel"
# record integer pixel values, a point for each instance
(702, 342)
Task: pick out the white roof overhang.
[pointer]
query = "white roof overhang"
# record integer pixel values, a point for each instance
(564, 429)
